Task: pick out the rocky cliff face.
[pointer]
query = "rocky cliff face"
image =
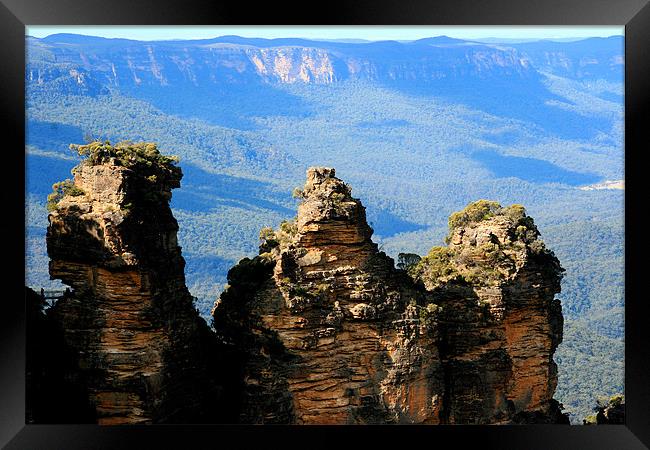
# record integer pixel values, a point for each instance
(92, 66)
(330, 332)
(144, 352)
(319, 328)
(500, 324)
(84, 65)
(328, 329)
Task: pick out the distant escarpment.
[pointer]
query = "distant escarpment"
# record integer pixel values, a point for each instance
(327, 330)
(94, 66)
(85, 65)
(143, 352)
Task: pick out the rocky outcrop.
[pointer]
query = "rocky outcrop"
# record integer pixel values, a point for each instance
(328, 331)
(319, 328)
(608, 412)
(55, 388)
(496, 283)
(145, 354)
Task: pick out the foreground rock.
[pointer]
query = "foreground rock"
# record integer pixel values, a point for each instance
(144, 353)
(328, 331)
(319, 328)
(55, 389)
(608, 412)
(500, 323)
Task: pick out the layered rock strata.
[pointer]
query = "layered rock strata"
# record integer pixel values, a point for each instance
(145, 354)
(330, 332)
(319, 328)
(496, 283)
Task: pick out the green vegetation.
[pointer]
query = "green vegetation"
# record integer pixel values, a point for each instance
(322, 288)
(481, 210)
(127, 154)
(297, 193)
(289, 228)
(406, 261)
(590, 420)
(593, 368)
(60, 190)
(485, 264)
(268, 239)
(282, 237)
(143, 158)
(615, 402)
(428, 314)
(436, 268)
(473, 213)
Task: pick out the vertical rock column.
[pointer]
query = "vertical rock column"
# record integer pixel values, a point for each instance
(330, 332)
(501, 323)
(142, 346)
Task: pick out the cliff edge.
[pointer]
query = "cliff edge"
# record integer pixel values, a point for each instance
(319, 328)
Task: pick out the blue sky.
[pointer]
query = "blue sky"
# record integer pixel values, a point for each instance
(152, 33)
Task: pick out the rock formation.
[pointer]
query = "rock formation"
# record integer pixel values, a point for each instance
(144, 352)
(319, 328)
(608, 412)
(500, 323)
(55, 388)
(328, 331)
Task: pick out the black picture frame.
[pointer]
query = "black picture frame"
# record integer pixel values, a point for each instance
(16, 14)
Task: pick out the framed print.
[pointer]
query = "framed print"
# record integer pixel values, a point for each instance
(373, 217)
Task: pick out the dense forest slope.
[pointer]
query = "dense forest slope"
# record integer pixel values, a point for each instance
(420, 129)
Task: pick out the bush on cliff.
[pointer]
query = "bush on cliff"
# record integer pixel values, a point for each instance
(490, 262)
(126, 153)
(143, 157)
(60, 190)
(435, 268)
(474, 212)
(406, 261)
(156, 172)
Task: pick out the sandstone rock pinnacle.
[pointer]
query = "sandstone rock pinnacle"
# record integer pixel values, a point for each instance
(496, 283)
(319, 328)
(112, 239)
(330, 332)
